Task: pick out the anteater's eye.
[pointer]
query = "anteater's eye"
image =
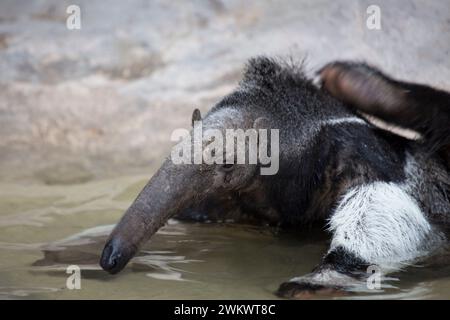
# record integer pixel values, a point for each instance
(227, 166)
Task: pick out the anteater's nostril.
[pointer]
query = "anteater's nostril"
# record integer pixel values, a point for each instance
(112, 262)
(109, 257)
(115, 256)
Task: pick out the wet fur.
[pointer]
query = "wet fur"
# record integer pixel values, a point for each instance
(384, 198)
(330, 156)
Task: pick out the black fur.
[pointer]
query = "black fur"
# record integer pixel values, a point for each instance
(320, 160)
(344, 262)
(409, 105)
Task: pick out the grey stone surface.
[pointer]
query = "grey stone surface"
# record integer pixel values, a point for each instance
(104, 99)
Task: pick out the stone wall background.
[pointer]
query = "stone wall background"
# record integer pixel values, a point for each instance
(104, 100)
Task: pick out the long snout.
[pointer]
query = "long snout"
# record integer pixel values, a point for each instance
(168, 192)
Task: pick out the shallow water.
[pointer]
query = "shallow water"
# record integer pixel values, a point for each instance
(45, 228)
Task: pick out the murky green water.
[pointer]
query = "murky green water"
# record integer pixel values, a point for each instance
(43, 229)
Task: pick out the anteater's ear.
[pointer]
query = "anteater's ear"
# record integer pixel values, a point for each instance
(409, 105)
(196, 116)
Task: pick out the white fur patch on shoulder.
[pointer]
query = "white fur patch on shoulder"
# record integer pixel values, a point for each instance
(344, 120)
(380, 223)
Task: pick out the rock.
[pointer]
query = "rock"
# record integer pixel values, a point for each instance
(109, 95)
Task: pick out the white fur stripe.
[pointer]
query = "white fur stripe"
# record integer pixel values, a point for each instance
(381, 224)
(345, 120)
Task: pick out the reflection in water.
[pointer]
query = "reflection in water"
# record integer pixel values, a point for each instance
(181, 261)
(15, 292)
